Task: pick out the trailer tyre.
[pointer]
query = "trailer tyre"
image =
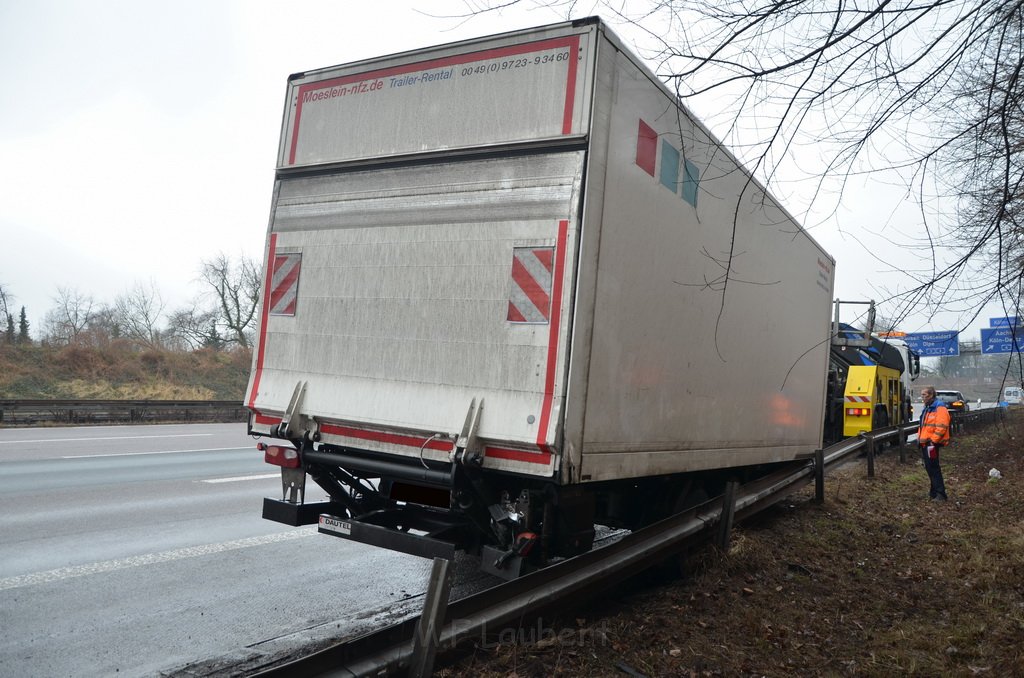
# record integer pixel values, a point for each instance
(675, 567)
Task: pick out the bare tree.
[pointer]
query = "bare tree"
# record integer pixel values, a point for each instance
(104, 327)
(139, 312)
(6, 316)
(990, 160)
(6, 302)
(236, 290)
(69, 316)
(928, 92)
(191, 328)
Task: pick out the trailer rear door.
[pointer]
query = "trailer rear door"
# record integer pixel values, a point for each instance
(402, 295)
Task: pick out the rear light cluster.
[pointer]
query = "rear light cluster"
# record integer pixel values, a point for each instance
(278, 455)
(858, 411)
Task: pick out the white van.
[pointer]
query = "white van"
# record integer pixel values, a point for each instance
(1013, 395)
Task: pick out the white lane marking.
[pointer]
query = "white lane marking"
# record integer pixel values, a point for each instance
(63, 573)
(235, 479)
(79, 440)
(143, 454)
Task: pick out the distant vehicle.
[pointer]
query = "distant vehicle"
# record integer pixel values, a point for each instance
(1013, 395)
(869, 379)
(954, 400)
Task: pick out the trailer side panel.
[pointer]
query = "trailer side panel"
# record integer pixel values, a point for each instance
(708, 340)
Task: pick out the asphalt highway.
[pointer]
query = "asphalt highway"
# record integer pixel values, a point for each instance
(140, 551)
(135, 551)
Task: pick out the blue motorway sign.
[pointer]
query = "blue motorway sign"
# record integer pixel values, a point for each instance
(1002, 339)
(932, 344)
(1009, 321)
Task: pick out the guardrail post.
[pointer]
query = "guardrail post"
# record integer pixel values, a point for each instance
(728, 512)
(903, 443)
(428, 628)
(819, 476)
(869, 442)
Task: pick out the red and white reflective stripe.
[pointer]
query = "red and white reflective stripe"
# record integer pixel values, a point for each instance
(264, 312)
(858, 399)
(542, 457)
(554, 328)
(284, 288)
(530, 297)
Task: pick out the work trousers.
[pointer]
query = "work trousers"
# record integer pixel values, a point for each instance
(938, 486)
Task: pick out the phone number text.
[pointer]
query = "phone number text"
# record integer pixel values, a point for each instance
(511, 64)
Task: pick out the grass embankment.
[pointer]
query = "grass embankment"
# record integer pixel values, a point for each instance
(877, 581)
(121, 372)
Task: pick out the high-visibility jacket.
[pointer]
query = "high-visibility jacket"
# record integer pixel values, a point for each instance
(934, 427)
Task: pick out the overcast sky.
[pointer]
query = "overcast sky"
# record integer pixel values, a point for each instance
(137, 138)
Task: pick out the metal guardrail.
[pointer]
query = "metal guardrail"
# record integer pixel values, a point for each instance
(391, 650)
(32, 412)
(899, 435)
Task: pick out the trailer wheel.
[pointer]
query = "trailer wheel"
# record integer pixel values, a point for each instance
(674, 567)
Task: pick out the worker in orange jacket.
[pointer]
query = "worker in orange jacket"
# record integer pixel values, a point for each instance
(933, 434)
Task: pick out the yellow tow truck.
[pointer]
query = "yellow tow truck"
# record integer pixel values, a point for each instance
(872, 399)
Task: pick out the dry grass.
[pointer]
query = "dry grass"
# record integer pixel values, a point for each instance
(877, 581)
(120, 371)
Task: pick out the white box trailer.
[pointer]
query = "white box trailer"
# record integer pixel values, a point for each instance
(513, 278)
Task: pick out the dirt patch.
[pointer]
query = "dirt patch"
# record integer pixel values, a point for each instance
(877, 581)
